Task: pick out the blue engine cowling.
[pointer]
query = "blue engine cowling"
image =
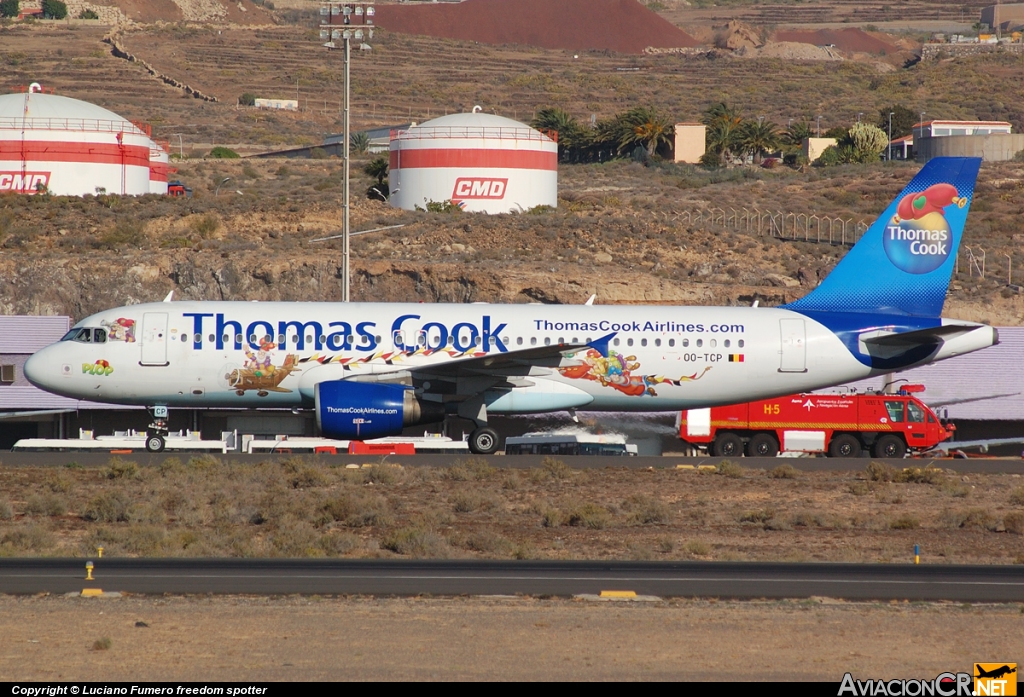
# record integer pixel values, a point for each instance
(350, 410)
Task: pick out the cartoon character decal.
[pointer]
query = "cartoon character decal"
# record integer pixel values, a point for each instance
(121, 329)
(259, 372)
(919, 238)
(618, 372)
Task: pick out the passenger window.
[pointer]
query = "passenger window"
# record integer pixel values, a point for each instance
(895, 410)
(615, 341)
(726, 343)
(629, 342)
(198, 338)
(184, 338)
(309, 339)
(686, 342)
(657, 342)
(533, 341)
(740, 343)
(238, 338)
(211, 338)
(643, 342)
(519, 341)
(700, 342)
(280, 338)
(547, 341)
(671, 342)
(252, 338)
(915, 414)
(713, 343)
(100, 336)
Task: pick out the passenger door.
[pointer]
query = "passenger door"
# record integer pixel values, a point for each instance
(154, 339)
(794, 346)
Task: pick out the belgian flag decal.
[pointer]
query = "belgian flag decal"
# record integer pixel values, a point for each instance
(735, 357)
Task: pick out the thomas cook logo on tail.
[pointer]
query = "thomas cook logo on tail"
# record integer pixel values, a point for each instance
(919, 238)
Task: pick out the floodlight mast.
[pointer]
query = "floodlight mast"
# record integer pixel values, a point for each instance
(346, 20)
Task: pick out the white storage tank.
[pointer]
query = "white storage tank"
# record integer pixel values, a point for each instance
(481, 162)
(69, 147)
(159, 166)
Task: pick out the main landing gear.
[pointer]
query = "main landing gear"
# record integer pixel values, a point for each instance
(484, 441)
(156, 432)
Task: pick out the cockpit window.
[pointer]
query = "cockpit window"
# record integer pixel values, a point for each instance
(70, 335)
(99, 336)
(83, 335)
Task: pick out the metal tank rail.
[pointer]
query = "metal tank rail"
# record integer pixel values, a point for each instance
(49, 124)
(489, 132)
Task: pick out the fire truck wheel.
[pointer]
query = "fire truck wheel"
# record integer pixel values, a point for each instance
(727, 445)
(890, 446)
(844, 445)
(763, 445)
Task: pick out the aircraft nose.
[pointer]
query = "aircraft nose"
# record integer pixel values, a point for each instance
(39, 371)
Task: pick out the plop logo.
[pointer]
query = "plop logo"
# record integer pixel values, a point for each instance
(24, 182)
(100, 367)
(919, 238)
(479, 188)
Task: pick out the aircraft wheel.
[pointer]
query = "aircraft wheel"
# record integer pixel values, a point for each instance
(890, 446)
(763, 445)
(727, 445)
(155, 443)
(262, 393)
(484, 441)
(844, 445)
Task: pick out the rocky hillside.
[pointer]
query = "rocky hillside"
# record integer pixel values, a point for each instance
(627, 233)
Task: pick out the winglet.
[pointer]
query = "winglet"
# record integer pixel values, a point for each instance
(170, 296)
(591, 299)
(601, 345)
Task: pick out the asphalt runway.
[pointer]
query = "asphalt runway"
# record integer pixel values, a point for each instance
(376, 577)
(806, 464)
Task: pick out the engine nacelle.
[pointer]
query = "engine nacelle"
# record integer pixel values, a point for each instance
(349, 410)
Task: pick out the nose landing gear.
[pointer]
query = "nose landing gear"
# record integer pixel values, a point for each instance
(156, 432)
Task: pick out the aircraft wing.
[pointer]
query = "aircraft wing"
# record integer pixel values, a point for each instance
(511, 363)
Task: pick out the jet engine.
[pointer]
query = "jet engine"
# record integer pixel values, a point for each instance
(349, 410)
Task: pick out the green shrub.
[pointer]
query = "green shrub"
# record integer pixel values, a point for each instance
(905, 522)
(88, 14)
(222, 153)
(9, 8)
(357, 510)
(644, 510)
(728, 468)
(103, 644)
(108, 507)
(247, 99)
(784, 472)
(588, 515)
(118, 468)
(127, 232)
(1017, 496)
(415, 541)
(555, 468)
(880, 472)
(1014, 522)
(54, 9)
(205, 225)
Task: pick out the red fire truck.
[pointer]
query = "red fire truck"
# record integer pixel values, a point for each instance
(841, 425)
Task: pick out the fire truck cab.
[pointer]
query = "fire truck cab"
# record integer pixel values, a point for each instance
(839, 425)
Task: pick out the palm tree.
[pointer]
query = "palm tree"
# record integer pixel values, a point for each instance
(571, 136)
(377, 168)
(759, 137)
(645, 126)
(723, 129)
(359, 142)
(797, 133)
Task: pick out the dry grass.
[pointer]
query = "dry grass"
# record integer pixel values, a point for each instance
(312, 507)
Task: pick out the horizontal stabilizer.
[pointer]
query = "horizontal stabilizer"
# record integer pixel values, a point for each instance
(932, 335)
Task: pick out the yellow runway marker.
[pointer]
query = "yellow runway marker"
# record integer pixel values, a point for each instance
(618, 594)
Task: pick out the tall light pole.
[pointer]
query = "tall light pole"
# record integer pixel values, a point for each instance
(346, 21)
(888, 150)
(819, 125)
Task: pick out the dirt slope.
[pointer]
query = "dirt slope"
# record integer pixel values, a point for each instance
(624, 26)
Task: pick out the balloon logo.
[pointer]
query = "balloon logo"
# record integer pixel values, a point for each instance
(920, 245)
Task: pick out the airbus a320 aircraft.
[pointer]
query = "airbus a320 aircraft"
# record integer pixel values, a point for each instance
(370, 369)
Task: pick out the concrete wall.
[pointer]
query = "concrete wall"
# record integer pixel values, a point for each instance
(957, 50)
(813, 147)
(690, 142)
(991, 148)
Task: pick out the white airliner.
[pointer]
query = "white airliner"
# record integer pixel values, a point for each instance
(370, 369)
